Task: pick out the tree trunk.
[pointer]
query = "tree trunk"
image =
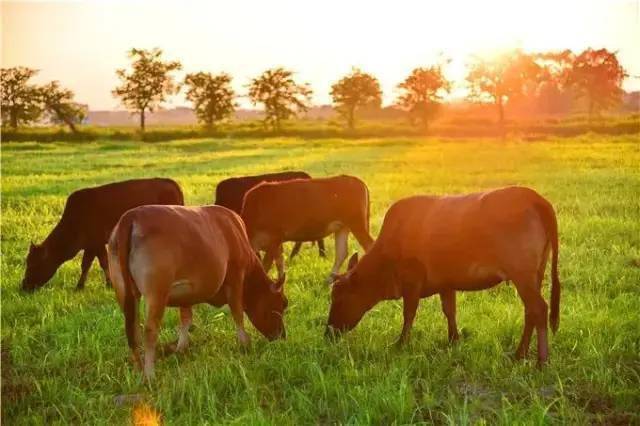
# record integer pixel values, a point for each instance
(71, 125)
(351, 118)
(68, 121)
(142, 120)
(13, 119)
(425, 122)
(500, 110)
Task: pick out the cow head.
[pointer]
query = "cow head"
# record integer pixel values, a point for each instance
(265, 304)
(348, 302)
(40, 267)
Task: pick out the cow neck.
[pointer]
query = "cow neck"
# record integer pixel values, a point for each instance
(257, 282)
(61, 242)
(371, 275)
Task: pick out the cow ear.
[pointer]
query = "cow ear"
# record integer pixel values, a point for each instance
(276, 287)
(352, 261)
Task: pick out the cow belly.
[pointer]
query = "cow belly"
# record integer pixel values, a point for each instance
(186, 293)
(314, 232)
(472, 277)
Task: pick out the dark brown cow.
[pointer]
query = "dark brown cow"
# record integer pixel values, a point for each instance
(230, 194)
(431, 245)
(87, 220)
(307, 210)
(181, 256)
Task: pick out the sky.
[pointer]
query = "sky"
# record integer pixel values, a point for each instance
(81, 43)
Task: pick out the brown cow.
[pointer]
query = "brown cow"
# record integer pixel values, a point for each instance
(230, 194)
(307, 210)
(431, 245)
(181, 256)
(87, 220)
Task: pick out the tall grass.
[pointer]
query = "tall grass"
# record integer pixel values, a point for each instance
(64, 353)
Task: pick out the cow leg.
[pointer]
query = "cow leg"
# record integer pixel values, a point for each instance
(235, 283)
(104, 264)
(342, 241)
(363, 237)
(155, 311)
(535, 309)
(186, 319)
(448, 300)
(410, 302)
(321, 250)
(87, 259)
(134, 339)
(295, 250)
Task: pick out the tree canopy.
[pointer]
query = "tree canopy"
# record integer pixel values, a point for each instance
(503, 78)
(355, 91)
(20, 99)
(422, 92)
(212, 96)
(281, 96)
(148, 83)
(59, 104)
(597, 76)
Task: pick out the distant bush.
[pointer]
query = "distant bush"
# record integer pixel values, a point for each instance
(316, 129)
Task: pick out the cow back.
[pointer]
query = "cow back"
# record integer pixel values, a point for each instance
(230, 192)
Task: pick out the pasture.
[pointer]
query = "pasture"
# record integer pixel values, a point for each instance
(64, 353)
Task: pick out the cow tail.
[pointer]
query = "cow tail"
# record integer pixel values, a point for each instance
(551, 226)
(123, 237)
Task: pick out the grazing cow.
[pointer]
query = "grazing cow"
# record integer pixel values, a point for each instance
(87, 220)
(230, 194)
(431, 245)
(181, 256)
(306, 210)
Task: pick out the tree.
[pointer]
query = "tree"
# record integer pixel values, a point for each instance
(20, 100)
(422, 92)
(553, 94)
(502, 79)
(281, 96)
(58, 103)
(212, 96)
(597, 76)
(148, 84)
(354, 91)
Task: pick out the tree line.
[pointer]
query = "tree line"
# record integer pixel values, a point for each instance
(552, 79)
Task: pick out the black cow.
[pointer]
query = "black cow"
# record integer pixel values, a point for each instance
(230, 194)
(87, 220)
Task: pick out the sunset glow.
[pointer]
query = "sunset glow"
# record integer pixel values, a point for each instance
(82, 43)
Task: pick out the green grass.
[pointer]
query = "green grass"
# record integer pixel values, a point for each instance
(65, 357)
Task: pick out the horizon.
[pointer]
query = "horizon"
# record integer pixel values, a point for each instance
(300, 40)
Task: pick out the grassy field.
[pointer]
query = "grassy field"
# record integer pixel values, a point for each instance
(64, 354)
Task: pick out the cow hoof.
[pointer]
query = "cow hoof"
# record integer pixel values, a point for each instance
(149, 377)
(168, 349)
(453, 339)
